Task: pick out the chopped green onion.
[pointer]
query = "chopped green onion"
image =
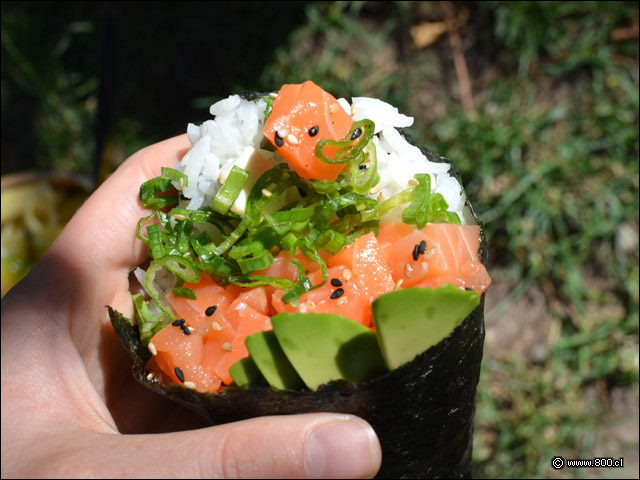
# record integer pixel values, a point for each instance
(151, 193)
(148, 324)
(258, 262)
(179, 266)
(209, 261)
(309, 251)
(269, 101)
(174, 175)
(417, 212)
(230, 190)
(427, 207)
(363, 179)
(325, 187)
(261, 280)
(289, 242)
(401, 198)
(302, 287)
(361, 203)
(287, 220)
(155, 242)
(183, 292)
(139, 227)
(183, 240)
(349, 149)
(331, 241)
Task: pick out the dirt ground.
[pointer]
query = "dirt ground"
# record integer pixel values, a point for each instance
(537, 328)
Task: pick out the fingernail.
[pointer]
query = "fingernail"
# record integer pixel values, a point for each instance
(345, 448)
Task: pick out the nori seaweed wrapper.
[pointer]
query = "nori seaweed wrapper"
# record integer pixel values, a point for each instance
(422, 411)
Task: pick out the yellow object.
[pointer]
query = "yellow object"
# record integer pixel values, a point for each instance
(35, 208)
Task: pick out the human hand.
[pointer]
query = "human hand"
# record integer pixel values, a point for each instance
(70, 406)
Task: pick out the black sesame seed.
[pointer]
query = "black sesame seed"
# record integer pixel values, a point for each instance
(210, 310)
(185, 329)
(363, 166)
(313, 131)
(279, 140)
(178, 323)
(337, 293)
(422, 247)
(356, 134)
(416, 252)
(336, 283)
(302, 192)
(468, 288)
(179, 374)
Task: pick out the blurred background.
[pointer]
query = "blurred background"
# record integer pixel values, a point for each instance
(535, 103)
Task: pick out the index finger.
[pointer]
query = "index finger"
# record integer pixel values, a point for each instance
(102, 233)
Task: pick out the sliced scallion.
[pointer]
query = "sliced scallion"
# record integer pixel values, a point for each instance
(183, 292)
(174, 175)
(346, 149)
(230, 190)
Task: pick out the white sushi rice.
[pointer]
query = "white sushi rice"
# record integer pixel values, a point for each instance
(235, 133)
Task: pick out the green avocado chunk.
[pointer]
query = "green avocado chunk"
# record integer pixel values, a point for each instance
(272, 362)
(323, 347)
(412, 320)
(245, 373)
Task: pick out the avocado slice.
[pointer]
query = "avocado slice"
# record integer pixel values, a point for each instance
(245, 373)
(272, 362)
(323, 347)
(412, 320)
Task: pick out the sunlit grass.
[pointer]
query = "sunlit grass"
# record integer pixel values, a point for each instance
(549, 156)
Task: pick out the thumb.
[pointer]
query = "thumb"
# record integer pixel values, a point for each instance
(319, 445)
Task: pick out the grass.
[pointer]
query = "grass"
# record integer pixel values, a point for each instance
(549, 156)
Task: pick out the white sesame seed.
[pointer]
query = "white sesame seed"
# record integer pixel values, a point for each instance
(152, 349)
(310, 304)
(222, 178)
(179, 216)
(341, 300)
(190, 385)
(273, 95)
(346, 274)
(408, 270)
(216, 326)
(226, 346)
(283, 132)
(413, 182)
(429, 253)
(399, 283)
(150, 377)
(353, 109)
(375, 189)
(292, 139)
(381, 197)
(191, 329)
(266, 193)
(180, 183)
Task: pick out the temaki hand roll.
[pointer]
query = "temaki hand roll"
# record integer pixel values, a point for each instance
(306, 257)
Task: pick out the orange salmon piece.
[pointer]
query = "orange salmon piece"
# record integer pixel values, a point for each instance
(450, 256)
(175, 349)
(245, 320)
(303, 114)
(359, 270)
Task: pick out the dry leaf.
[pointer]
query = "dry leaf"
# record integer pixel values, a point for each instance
(427, 33)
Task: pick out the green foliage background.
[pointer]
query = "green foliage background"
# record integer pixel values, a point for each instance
(548, 155)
